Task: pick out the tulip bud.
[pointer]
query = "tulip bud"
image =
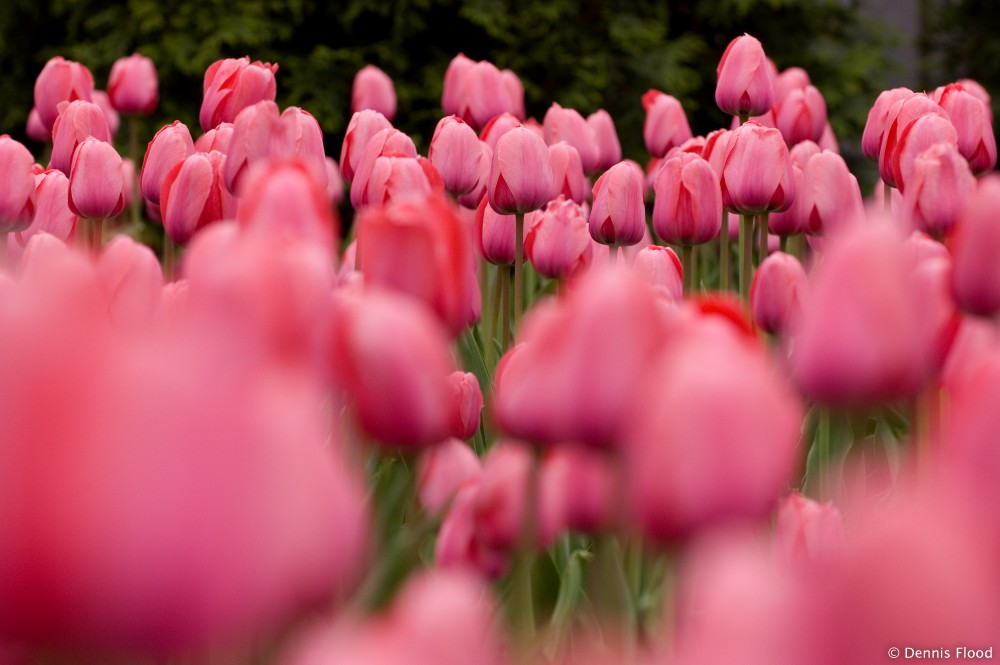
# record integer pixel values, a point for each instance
(17, 195)
(133, 85)
(52, 213)
(101, 98)
(808, 533)
(608, 147)
(386, 143)
(776, 293)
(467, 404)
(619, 214)
(757, 174)
(298, 136)
(515, 92)
(920, 135)
(562, 124)
(688, 205)
(130, 276)
(502, 500)
(828, 141)
(666, 125)
(793, 220)
(939, 187)
(793, 78)
(495, 234)
(457, 546)
(457, 155)
(362, 127)
(661, 268)
(831, 196)
(801, 115)
(471, 200)
(194, 195)
(60, 81)
(373, 89)
(878, 120)
(483, 94)
(497, 127)
(972, 121)
(76, 121)
(577, 491)
(442, 470)
(900, 116)
(218, 139)
(975, 279)
(567, 172)
(284, 198)
(521, 173)
(96, 181)
(451, 93)
(170, 146)
(558, 241)
(745, 86)
(233, 84)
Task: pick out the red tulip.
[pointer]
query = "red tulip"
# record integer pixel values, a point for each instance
(96, 181)
(563, 124)
(757, 173)
(609, 148)
(777, 292)
(666, 125)
(17, 196)
(938, 189)
(558, 241)
(745, 86)
(76, 122)
(971, 118)
(567, 172)
(444, 469)
(169, 147)
(362, 127)
(456, 153)
(661, 268)
(217, 139)
(233, 84)
(801, 115)
(618, 216)
(60, 81)
(285, 199)
(521, 173)
(975, 279)
(133, 85)
(373, 89)
(688, 205)
(194, 195)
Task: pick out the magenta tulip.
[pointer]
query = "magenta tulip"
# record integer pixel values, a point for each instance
(60, 81)
(745, 86)
(233, 84)
(483, 92)
(618, 216)
(777, 292)
(688, 205)
(170, 146)
(757, 171)
(521, 173)
(878, 120)
(793, 78)
(373, 89)
(495, 233)
(96, 181)
(666, 125)
(133, 85)
(456, 153)
(76, 122)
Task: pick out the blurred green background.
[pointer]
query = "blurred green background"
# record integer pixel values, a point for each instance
(587, 54)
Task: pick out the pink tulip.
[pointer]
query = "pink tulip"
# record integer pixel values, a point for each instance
(502, 501)
(495, 234)
(194, 195)
(101, 98)
(577, 491)
(618, 216)
(387, 143)
(714, 150)
(96, 181)
(553, 387)
(60, 81)
(777, 292)
(563, 124)
(803, 151)
(451, 93)
(745, 86)
(497, 127)
(971, 118)
(515, 91)
(609, 148)
(169, 147)
(457, 155)
(444, 469)
(395, 178)
(285, 200)
(793, 78)
(421, 247)
(35, 130)
(745, 453)
(938, 189)
(920, 135)
(757, 172)
(467, 404)
(362, 127)
(373, 89)
(399, 393)
(830, 195)
(483, 94)
(233, 84)
(661, 268)
(76, 122)
(17, 196)
(521, 173)
(793, 220)
(666, 125)
(458, 548)
(828, 141)
(217, 139)
(472, 199)
(808, 533)
(879, 119)
(334, 185)
(567, 172)
(688, 205)
(801, 115)
(558, 241)
(900, 116)
(133, 85)
(132, 282)
(299, 136)
(975, 278)
(52, 213)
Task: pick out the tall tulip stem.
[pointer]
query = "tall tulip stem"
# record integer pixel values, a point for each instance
(746, 253)
(887, 197)
(823, 451)
(724, 252)
(762, 250)
(687, 252)
(491, 318)
(504, 276)
(169, 257)
(133, 151)
(518, 268)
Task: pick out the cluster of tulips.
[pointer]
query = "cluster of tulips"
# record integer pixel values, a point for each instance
(513, 417)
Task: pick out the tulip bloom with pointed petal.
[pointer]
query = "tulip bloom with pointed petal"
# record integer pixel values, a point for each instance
(133, 85)
(52, 213)
(558, 241)
(60, 81)
(443, 469)
(801, 115)
(387, 143)
(484, 94)
(170, 146)
(96, 180)
(373, 89)
(878, 120)
(661, 268)
(567, 171)
(497, 127)
(777, 292)
(830, 194)
(194, 195)
(938, 189)
(17, 194)
(563, 124)
(76, 122)
(901, 115)
(618, 216)
(233, 84)
(971, 118)
(688, 204)
(745, 86)
(521, 173)
(923, 133)
(793, 78)
(975, 279)
(35, 130)
(757, 171)
(666, 125)
(456, 153)
(285, 199)
(362, 127)
(495, 233)
(609, 148)
(451, 100)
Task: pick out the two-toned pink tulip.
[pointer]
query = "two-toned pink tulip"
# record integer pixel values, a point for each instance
(218, 138)
(801, 115)
(76, 122)
(60, 81)
(971, 119)
(521, 173)
(361, 128)
(878, 120)
(456, 153)
(233, 84)
(96, 181)
(52, 212)
(830, 194)
(975, 278)
(777, 292)
(756, 172)
(920, 135)
(194, 195)
(565, 124)
(618, 215)
(688, 205)
(938, 189)
(558, 241)
(567, 172)
(745, 85)
(665, 125)
(661, 268)
(373, 89)
(133, 85)
(609, 148)
(170, 146)
(18, 192)
(901, 115)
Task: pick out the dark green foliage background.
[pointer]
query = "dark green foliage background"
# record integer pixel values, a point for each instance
(587, 55)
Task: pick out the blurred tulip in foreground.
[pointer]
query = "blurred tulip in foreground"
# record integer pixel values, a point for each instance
(17, 195)
(442, 470)
(284, 199)
(776, 295)
(975, 280)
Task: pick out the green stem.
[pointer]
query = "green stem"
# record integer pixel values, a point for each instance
(746, 253)
(522, 605)
(518, 269)
(169, 258)
(744, 117)
(133, 149)
(724, 252)
(887, 196)
(504, 275)
(762, 250)
(687, 261)
(823, 451)
(784, 243)
(491, 321)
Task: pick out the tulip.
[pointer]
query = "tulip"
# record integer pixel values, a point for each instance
(52, 213)
(457, 155)
(373, 89)
(879, 119)
(714, 150)
(60, 81)
(777, 292)
(334, 185)
(299, 136)
(362, 127)
(472, 199)
(745, 86)
(468, 402)
(170, 146)
(618, 216)
(756, 173)
(939, 187)
(76, 122)
(253, 129)
(194, 195)
(400, 394)
(801, 115)
(96, 181)
(608, 147)
(971, 118)
(920, 135)
(975, 280)
(688, 207)
(397, 177)
(802, 152)
(793, 78)
(521, 173)
(495, 234)
(386, 143)
(457, 546)
(483, 94)
(808, 533)
(17, 196)
(497, 127)
(558, 241)
(666, 125)
(444, 469)
(35, 130)
(661, 268)
(419, 246)
(502, 502)
(451, 93)
(976, 89)
(285, 199)
(133, 85)
(900, 116)
(562, 124)
(130, 276)
(830, 197)
(101, 98)
(577, 491)
(828, 141)
(515, 91)
(233, 84)
(218, 139)
(567, 172)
